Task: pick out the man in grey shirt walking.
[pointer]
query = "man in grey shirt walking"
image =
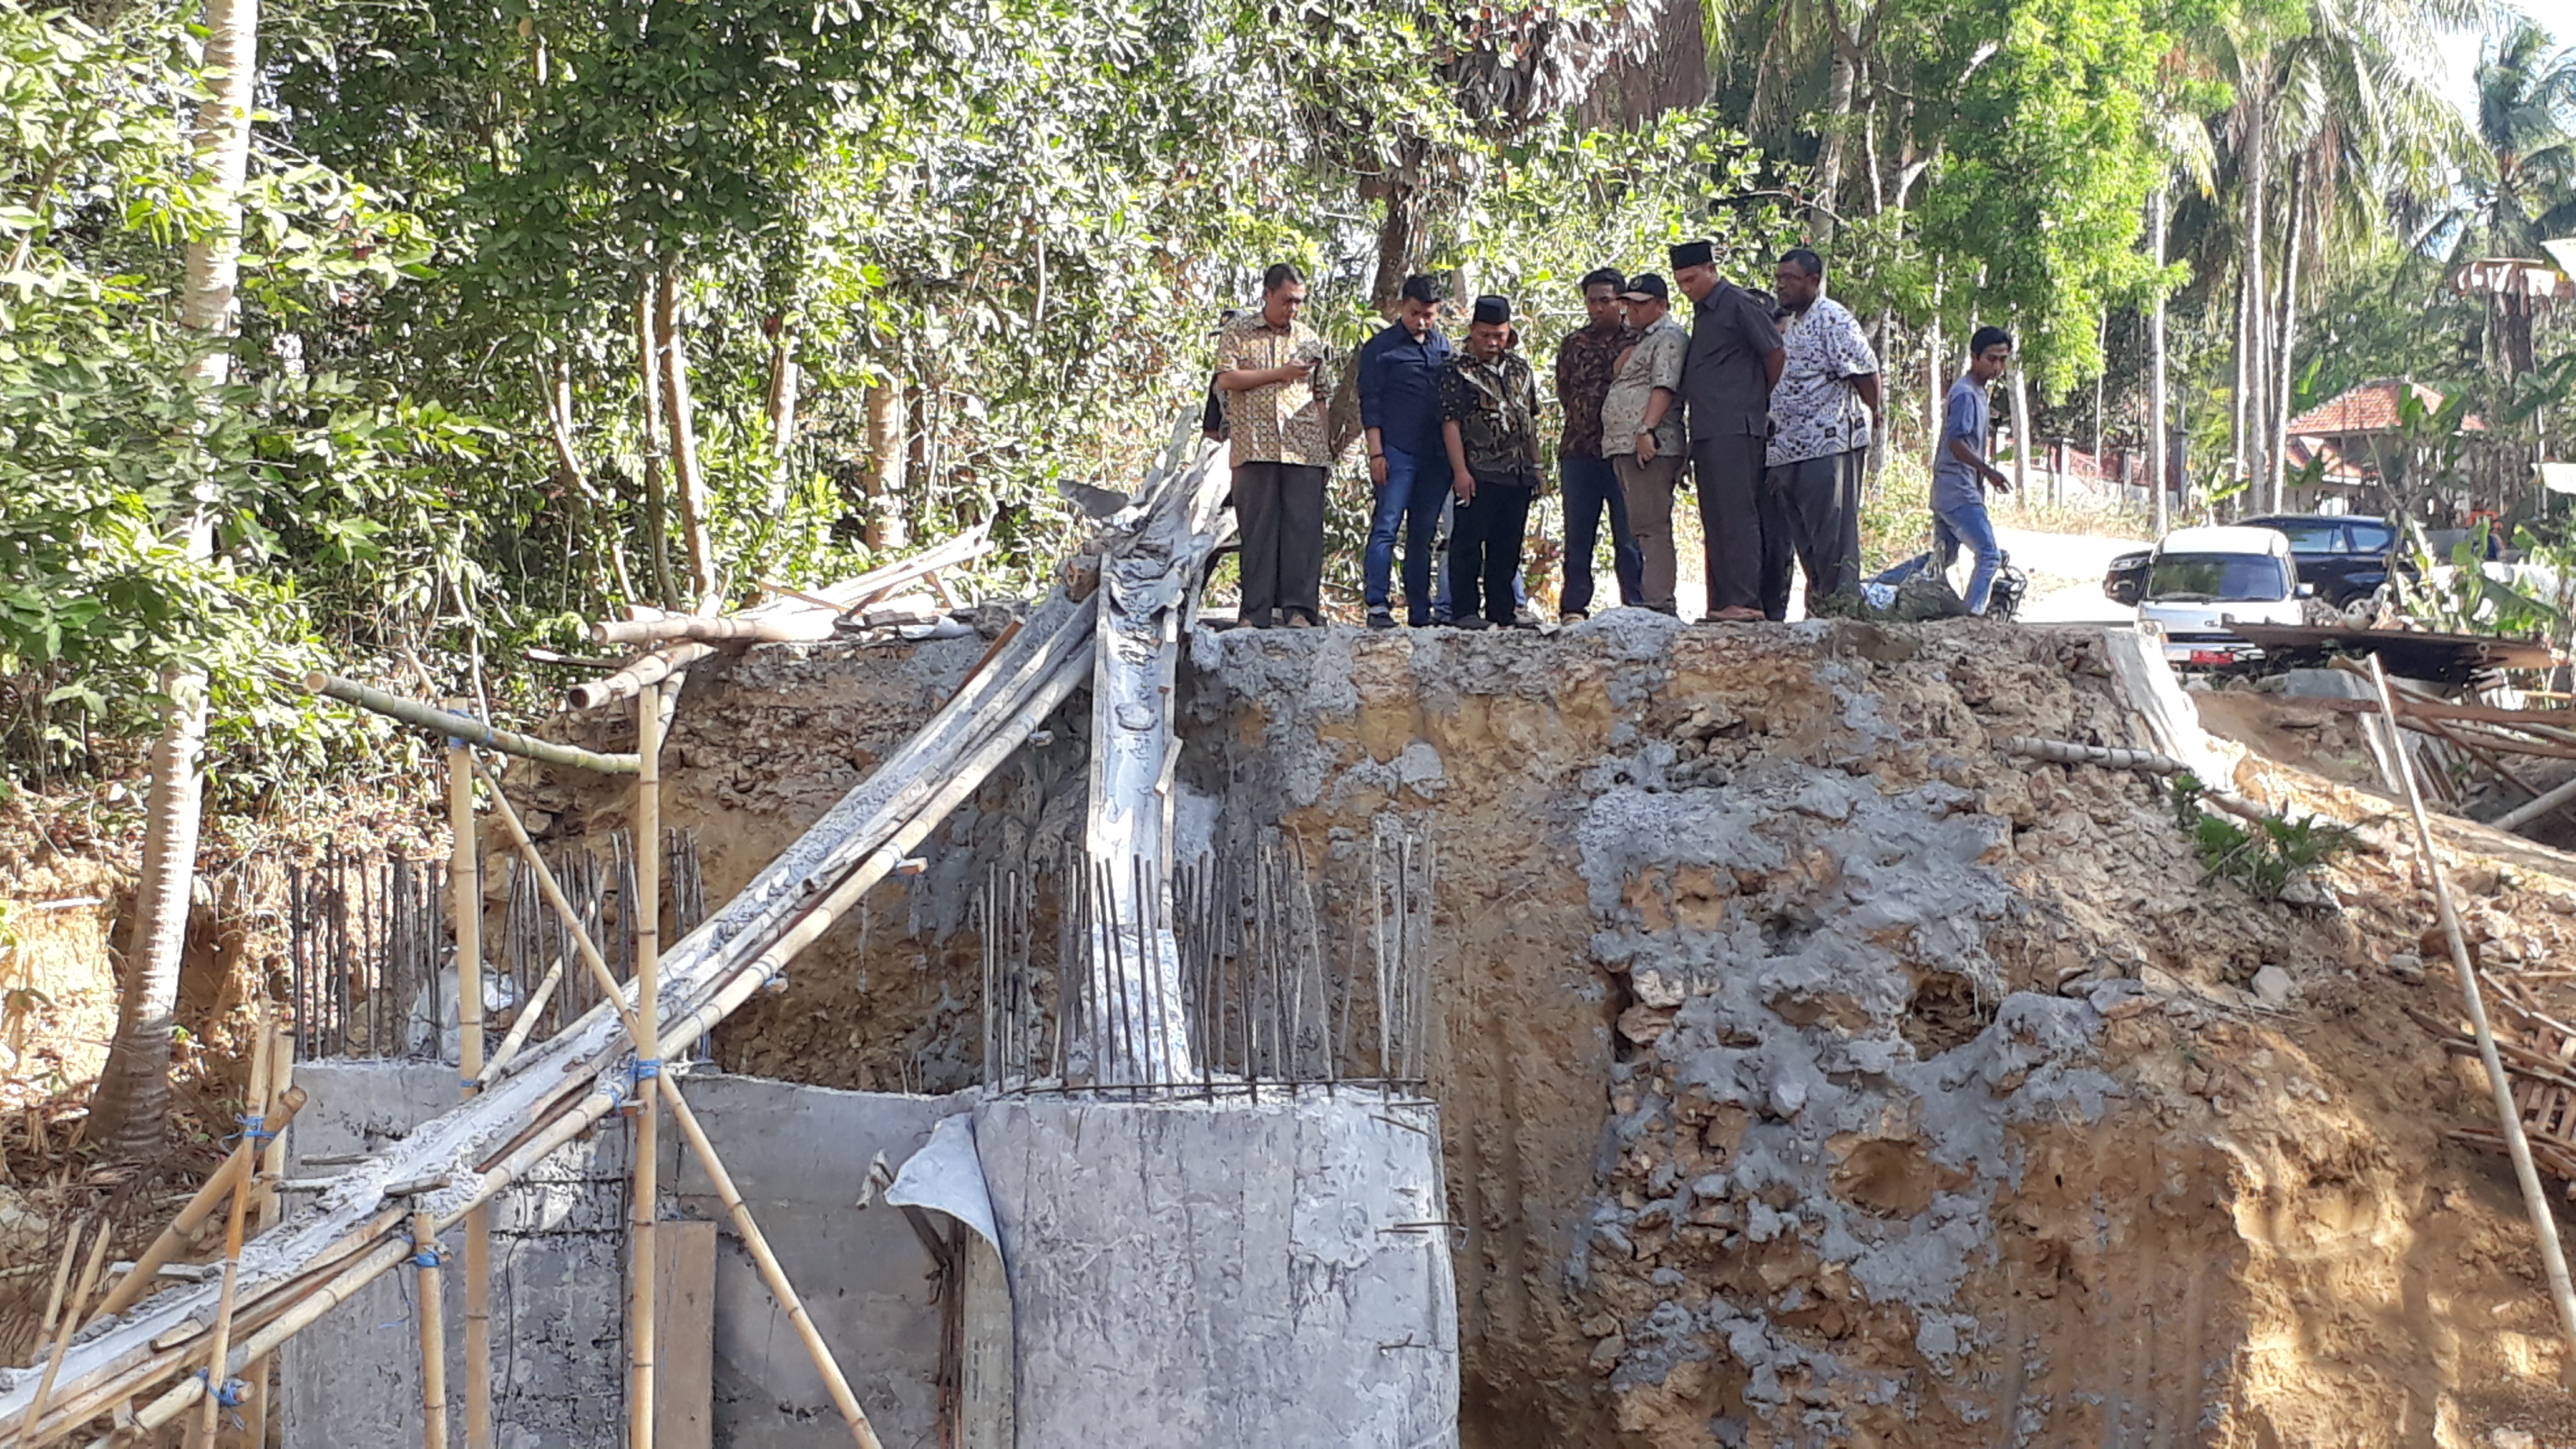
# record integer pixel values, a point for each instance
(1735, 357)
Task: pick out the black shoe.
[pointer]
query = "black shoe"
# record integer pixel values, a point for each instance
(1472, 622)
(1259, 620)
(1381, 619)
(1418, 621)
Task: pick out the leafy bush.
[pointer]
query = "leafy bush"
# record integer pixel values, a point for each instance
(2261, 856)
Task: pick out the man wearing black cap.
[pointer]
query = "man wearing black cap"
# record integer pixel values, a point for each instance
(1641, 433)
(1489, 425)
(1735, 357)
(1399, 387)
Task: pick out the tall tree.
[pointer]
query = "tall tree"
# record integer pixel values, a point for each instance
(132, 1103)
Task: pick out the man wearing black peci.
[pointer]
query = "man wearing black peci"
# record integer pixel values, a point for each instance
(1489, 425)
(1735, 357)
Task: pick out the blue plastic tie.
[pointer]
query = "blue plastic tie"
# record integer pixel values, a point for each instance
(231, 1393)
(255, 1128)
(431, 1255)
(616, 1093)
(646, 1069)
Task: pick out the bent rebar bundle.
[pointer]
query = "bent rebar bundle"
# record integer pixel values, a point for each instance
(538, 1101)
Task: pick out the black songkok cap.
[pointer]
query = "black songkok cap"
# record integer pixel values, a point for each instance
(1491, 309)
(1692, 254)
(1646, 286)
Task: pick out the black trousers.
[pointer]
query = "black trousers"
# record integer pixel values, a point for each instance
(1728, 471)
(1280, 508)
(1485, 548)
(1811, 511)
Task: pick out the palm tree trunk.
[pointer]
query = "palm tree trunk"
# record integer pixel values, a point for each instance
(132, 1103)
(2236, 401)
(2289, 324)
(2266, 489)
(2157, 437)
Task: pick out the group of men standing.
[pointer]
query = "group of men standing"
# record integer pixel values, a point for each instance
(1771, 409)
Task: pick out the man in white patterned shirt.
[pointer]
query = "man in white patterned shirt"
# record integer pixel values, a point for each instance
(1823, 410)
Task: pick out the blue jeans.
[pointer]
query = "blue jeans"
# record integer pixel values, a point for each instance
(1409, 500)
(1966, 523)
(1591, 483)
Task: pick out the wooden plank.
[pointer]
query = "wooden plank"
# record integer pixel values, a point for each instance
(684, 1310)
(988, 1411)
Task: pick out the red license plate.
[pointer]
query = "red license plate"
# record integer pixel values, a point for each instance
(2212, 656)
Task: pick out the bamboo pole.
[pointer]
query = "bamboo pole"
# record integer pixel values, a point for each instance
(643, 670)
(772, 1273)
(433, 1331)
(465, 897)
(2535, 1198)
(472, 731)
(264, 1207)
(201, 1207)
(647, 909)
(255, 1136)
(60, 1316)
(529, 1011)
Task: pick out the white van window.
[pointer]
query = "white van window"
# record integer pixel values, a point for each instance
(2218, 578)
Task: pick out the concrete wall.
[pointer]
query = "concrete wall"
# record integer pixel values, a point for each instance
(799, 1155)
(558, 1287)
(1191, 1274)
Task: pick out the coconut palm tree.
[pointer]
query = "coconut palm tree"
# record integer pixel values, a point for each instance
(132, 1102)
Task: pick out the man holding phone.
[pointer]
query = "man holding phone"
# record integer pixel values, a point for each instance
(1266, 367)
(1823, 411)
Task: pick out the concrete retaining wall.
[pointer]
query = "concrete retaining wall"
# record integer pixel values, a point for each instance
(799, 1155)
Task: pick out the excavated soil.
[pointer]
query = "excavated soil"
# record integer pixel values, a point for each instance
(1811, 1073)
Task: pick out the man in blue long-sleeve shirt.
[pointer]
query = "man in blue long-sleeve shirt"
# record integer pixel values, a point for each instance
(1399, 385)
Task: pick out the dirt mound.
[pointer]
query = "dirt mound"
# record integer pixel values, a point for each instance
(1810, 1072)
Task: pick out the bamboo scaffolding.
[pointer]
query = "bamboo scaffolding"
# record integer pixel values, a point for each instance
(772, 1273)
(472, 731)
(465, 900)
(175, 1237)
(647, 912)
(651, 667)
(798, 617)
(559, 1091)
(61, 1317)
(2544, 1223)
(256, 1137)
(270, 1166)
(426, 1257)
(529, 1012)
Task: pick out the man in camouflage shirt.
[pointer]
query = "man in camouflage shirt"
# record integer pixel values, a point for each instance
(1489, 424)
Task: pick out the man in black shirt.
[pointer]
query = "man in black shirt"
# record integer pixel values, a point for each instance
(1489, 426)
(1735, 356)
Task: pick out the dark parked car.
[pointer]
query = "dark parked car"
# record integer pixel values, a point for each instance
(2345, 558)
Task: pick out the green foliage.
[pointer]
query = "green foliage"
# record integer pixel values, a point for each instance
(2262, 856)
